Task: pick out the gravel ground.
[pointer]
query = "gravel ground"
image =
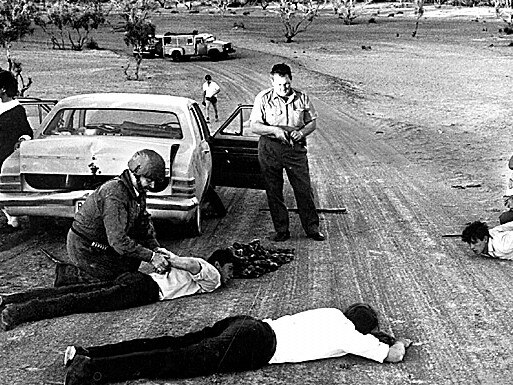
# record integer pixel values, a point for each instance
(406, 128)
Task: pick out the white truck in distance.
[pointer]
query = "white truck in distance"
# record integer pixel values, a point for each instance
(182, 46)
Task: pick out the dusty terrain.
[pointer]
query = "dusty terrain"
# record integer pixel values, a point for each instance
(406, 129)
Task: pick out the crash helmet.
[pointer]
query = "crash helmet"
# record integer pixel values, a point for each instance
(149, 164)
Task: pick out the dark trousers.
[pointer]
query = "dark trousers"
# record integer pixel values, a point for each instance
(275, 156)
(233, 344)
(128, 290)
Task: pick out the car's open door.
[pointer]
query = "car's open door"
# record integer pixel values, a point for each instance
(235, 152)
(37, 109)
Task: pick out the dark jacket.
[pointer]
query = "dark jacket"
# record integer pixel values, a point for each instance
(114, 215)
(13, 124)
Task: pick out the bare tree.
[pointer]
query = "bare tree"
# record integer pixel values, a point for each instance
(348, 10)
(264, 4)
(222, 6)
(139, 30)
(505, 14)
(16, 22)
(67, 22)
(296, 18)
(419, 11)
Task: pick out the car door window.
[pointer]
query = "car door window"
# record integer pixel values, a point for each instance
(239, 124)
(36, 113)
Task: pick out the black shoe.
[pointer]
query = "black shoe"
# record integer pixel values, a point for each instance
(9, 229)
(8, 318)
(81, 373)
(318, 236)
(281, 236)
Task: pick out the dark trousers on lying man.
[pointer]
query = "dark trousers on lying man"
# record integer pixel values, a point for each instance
(126, 291)
(236, 343)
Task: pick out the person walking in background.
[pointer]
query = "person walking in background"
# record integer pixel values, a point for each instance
(237, 344)
(210, 91)
(13, 123)
(284, 117)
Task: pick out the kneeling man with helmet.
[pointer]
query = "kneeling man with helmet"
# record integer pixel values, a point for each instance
(111, 235)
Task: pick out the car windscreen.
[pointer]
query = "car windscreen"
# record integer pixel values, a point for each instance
(110, 121)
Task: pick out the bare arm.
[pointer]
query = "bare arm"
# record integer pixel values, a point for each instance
(277, 132)
(397, 351)
(307, 129)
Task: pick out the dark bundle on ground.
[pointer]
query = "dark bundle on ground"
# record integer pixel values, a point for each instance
(253, 260)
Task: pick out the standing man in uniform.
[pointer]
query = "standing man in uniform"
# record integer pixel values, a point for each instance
(284, 117)
(210, 91)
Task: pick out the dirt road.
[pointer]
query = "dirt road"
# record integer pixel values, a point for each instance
(388, 250)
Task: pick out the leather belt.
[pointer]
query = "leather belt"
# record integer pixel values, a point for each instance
(93, 244)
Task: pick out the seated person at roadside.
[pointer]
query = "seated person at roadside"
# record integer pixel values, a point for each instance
(494, 243)
(238, 343)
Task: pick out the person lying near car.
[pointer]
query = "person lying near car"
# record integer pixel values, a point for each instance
(111, 235)
(185, 276)
(236, 344)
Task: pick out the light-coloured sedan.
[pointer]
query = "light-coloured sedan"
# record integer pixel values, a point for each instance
(88, 139)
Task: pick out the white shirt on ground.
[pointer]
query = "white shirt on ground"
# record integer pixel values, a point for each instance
(180, 283)
(321, 333)
(211, 89)
(500, 244)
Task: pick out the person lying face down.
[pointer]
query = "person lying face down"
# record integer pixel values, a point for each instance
(238, 343)
(184, 276)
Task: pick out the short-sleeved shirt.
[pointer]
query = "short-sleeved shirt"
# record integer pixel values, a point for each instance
(180, 283)
(295, 111)
(322, 333)
(500, 244)
(211, 89)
